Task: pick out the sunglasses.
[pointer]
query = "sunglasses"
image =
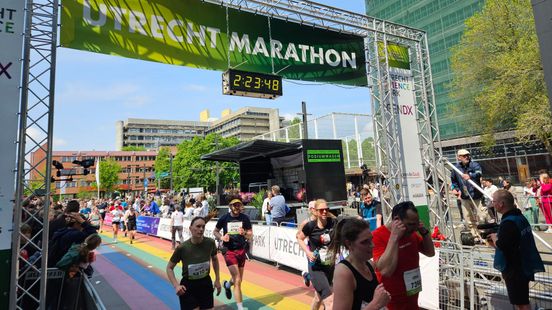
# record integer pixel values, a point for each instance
(236, 204)
(323, 210)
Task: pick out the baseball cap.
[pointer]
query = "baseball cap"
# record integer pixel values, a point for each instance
(463, 152)
(233, 201)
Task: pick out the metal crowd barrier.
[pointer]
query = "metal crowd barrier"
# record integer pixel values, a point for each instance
(467, 280)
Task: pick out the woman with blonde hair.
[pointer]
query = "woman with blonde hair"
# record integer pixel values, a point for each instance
(320, 267)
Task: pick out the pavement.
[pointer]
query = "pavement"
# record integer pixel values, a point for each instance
(133, 277)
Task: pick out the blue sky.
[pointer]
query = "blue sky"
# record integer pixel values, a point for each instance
(93, 91)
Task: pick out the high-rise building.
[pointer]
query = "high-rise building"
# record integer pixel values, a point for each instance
(152, 133)
(443, 20)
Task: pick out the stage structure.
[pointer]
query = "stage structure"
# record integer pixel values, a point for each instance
(398, 69)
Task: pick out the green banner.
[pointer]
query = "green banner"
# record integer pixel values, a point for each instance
(323, 156)
(397, 54)
(204, 35)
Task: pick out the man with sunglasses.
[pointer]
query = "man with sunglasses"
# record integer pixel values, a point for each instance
(237, 230)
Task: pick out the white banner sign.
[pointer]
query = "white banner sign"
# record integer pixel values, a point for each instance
(11, 46)
(261, 242)
(429, 296)
(164, 229)
(286, 249)
(403, 101)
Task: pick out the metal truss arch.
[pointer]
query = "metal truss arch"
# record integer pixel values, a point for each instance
(37, 110)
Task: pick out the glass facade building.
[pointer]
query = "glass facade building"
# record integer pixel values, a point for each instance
(443, 20)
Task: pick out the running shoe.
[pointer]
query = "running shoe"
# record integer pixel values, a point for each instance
(306, 278)
(227, 289)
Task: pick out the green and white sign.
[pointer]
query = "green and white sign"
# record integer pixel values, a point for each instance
(204, 35)
(403, 103)
(323, 156)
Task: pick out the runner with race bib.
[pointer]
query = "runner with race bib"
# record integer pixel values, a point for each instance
(321, 268)
(195, 290)
(237, 230)
(396, 253)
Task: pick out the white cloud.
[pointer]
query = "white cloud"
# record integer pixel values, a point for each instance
(59, 142)
(125, 93)
(36, 135)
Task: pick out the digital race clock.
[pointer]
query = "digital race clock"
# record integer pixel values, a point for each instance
(251, 84)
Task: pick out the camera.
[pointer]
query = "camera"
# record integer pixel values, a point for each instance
(486, 229)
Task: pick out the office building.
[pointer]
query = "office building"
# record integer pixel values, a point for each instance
(136, 166)
(246, 123)
(444, 22)
(152, 134)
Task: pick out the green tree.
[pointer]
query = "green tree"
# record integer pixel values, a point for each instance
(109, 175)
(498, 73)
(162, 165)
(133, 148)
(190, 171)
(294, 128)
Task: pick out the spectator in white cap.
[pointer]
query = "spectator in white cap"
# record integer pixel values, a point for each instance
(471, 197)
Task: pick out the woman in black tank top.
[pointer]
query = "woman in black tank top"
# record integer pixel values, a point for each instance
(355, 283)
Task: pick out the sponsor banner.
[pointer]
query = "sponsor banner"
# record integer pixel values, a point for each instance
(197, 34)
(147, 225)
(12, 18)
(323, 156)
(261, 241)
(164, 229)
(429, 268)
(286, 249)
(403, 104)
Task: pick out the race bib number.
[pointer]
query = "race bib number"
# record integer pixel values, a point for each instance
(234, 228)
(198, 271)
(413, 281)
(324, 256)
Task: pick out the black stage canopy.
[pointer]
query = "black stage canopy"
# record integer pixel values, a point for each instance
(253, 149)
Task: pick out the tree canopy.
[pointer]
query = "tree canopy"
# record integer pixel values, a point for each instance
(497, 69)
(190, 171)
(162, 167)
(133, 148)
(109, 171)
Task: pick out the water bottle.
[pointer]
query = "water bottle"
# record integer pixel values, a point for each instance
(316, 256)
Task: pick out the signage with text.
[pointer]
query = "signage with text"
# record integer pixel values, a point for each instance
(198, 34)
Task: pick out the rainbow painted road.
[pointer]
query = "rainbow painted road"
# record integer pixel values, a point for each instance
(133, 277)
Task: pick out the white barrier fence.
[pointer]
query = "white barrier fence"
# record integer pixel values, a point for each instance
(279, 245)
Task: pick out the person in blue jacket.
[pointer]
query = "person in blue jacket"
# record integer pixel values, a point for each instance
(516, 256)
(471, 197)
(370, 209)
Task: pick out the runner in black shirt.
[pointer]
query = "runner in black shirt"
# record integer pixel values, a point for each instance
(356, 285)
(237, 230)
(320, 262)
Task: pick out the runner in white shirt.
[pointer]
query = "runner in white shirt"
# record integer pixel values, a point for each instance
(177, 220)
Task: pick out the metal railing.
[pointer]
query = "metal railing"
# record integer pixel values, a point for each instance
(467, 280)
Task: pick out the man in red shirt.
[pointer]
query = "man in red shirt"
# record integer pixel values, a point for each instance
(396, 252)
